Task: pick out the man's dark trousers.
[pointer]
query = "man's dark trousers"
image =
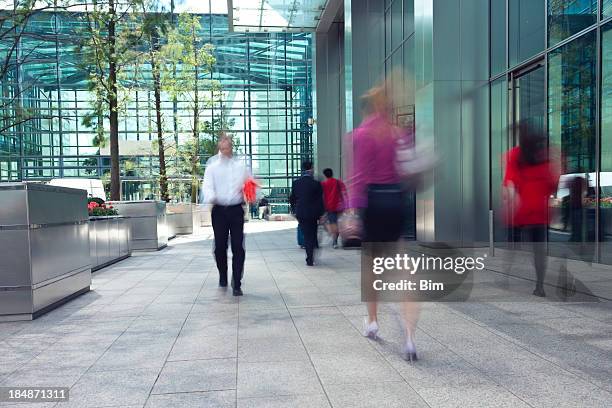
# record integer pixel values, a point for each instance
(228, 221)
(309, 228)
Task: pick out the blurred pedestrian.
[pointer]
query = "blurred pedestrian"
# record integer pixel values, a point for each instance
(334, 193)
(529, 181)
(307, 200)
(254, 211)
(376, 195)
(263, 208)
(224, 180)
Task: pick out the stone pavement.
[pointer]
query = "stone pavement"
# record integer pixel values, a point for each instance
(156, 331)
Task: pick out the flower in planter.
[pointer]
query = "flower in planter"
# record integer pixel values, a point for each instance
(97, 208)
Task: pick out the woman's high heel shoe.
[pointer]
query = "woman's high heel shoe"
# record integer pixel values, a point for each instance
(370, 330)
(409, 351)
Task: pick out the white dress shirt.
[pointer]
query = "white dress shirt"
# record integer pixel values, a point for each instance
(224, 180)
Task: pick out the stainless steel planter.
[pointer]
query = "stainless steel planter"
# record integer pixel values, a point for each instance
(204, 215)
(186, 218)
(44, 248)
(171, 225)
(109, 240)
(147, 221)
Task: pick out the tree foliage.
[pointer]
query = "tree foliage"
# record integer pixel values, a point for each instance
(110, 50)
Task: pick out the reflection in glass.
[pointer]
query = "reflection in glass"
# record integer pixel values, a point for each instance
(529, 100)
(566, 18)
(606, 8)
(526, 34)
(571, 126)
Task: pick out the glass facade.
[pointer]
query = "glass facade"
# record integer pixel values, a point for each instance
(564, 89)
(265, 102)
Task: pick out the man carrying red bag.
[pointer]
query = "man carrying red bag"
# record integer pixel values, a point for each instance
(227, 182)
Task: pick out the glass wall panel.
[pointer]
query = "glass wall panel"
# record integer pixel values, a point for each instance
(606, 100)
(499, 146)
(605, 205)
(408, 18)
(571, 126)
(396, 23)
(566, 18)
(526, 32)
(498, 36)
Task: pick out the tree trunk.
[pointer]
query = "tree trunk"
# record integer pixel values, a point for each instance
(196, 124)
(163, 177)
(112, 104)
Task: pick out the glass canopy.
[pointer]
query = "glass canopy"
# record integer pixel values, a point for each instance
(275, 15)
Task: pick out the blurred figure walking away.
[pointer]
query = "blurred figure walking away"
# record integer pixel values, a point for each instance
(224, 181)
(376, 194)
(530, 179)
(307, 201)
(254, 211)
(334, 193)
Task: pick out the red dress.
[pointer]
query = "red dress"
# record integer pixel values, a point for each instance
(534, 184)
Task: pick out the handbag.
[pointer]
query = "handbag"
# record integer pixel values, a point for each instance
(414, 163)
(350, 228)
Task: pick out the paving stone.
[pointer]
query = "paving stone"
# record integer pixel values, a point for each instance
(293, 401)
(267, 349)
(353, 368)
(112, 388)
(374, 395)
(195, 346)
(197, 375)
(277, 379)
(211, 399)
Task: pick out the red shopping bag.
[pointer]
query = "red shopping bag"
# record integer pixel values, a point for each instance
(250, 190)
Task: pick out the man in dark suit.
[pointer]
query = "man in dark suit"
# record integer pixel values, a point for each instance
(307, 202)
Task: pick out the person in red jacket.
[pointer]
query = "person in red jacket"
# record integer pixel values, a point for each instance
(530, 179)
(333, 197)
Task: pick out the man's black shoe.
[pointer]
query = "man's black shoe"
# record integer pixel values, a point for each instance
(237, 292)
(222, 284)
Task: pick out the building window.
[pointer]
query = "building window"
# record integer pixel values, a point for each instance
(566, 18)
(571, 103)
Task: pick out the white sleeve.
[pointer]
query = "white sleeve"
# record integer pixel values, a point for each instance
(208, 187)
(247, 173)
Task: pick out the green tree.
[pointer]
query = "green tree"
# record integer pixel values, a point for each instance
(188, 78)
(156, 26)
(109, 46)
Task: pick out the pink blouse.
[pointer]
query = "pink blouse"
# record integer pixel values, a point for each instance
(374, 158)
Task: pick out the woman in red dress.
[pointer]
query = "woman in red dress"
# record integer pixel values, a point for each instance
(531, 178)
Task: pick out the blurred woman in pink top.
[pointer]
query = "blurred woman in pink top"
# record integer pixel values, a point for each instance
(375, 193)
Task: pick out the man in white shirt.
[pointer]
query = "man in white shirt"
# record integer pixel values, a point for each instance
(224, 180)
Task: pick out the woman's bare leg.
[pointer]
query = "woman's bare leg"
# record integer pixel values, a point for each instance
(410, 315)
(372, 311)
